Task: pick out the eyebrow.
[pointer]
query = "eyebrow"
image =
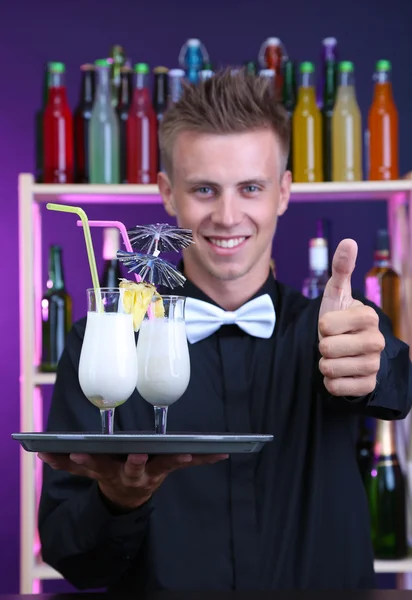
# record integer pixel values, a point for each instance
(252, 181)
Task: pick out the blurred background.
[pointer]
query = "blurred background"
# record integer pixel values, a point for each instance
(34, 33)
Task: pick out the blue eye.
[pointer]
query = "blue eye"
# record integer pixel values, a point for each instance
(251, 189)
(204, 190)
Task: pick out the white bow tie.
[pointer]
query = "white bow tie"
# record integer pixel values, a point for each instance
(257, 317)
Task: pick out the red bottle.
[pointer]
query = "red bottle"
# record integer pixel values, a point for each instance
(272, 55)
(57, 130)
(141, 132)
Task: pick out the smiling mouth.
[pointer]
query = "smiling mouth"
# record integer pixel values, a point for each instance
(232, 242)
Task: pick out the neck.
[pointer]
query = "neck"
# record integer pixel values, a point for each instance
(228, 294)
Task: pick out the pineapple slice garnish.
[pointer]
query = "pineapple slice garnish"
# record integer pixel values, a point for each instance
(137, 298)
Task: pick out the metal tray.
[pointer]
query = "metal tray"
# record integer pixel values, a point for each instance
(142, 443)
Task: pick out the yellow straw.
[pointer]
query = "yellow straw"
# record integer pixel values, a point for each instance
(88, 239)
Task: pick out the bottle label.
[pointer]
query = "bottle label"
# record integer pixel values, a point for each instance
(318, 258)
(373, 291)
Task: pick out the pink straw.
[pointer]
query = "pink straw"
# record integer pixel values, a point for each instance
(123, 232)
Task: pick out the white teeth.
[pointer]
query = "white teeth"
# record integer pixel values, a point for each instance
(231, 243)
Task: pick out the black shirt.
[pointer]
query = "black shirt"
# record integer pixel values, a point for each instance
(294, 516)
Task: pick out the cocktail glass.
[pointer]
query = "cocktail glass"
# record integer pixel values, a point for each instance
(108, 367)
(163, 356)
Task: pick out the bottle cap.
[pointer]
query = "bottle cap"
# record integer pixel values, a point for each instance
(307, 67)
(176, 73)
(346, 66)
(158, 70)
(87, 67)
(383, 65)
(193, 43)
(329, 41)
(142, 68)
(111, 243)
(57, 67)
(273, 41)
(101, 62)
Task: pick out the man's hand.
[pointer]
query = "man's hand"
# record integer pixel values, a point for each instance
(349, 338)
(127, 484)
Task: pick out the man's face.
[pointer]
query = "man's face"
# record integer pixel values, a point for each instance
(228, 190)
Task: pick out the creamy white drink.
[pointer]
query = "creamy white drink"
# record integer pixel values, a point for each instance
(108, 369)
(163, 361)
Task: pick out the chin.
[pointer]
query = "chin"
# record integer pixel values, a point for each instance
(228, 272)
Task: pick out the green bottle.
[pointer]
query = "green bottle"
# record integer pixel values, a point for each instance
(387, 496)
(289, 99)
(56, 310)
(104, 131)
(329, 96)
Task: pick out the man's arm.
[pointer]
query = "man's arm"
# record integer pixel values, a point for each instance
(83, 536)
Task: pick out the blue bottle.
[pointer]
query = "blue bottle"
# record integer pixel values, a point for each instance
(192, 57)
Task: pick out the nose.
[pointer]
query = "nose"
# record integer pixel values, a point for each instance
(226, 211)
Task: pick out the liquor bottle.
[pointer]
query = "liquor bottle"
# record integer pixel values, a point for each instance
(307, 130)
(122, 109)
(289, 101)
(383, 127)
(111, 269)
(383, 284)
(104, 131)
(192, 57)
(82, 116)
(176, 79)
(314, 284)
(160, 94)
(346, 128)
(38, 125)
(56, 310)
(272, 55)
(364, 448)
(329, 53)
(57, 130)
(387, 496)
(327, 114)
(117, 60)
(141, 132)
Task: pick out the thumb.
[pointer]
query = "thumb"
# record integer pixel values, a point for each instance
(338, 290)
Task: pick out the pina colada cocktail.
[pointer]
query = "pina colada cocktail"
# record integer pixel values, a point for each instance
(107, 368)
(106, 372)
(163, 356)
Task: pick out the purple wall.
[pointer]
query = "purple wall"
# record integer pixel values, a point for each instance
(32, 33)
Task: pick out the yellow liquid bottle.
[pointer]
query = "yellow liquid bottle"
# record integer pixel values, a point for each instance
(346, 129)
(307, 130)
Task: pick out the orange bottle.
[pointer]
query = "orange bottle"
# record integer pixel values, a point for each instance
(383, 127)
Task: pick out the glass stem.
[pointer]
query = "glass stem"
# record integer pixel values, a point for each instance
(107, 416)
(160, 419)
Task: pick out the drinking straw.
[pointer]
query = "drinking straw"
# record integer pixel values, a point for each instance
(88, 239)
(123, 232)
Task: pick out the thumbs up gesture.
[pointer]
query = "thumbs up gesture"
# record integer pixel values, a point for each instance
(350, 342)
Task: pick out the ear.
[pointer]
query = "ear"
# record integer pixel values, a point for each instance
(165, 189)
(285, 184)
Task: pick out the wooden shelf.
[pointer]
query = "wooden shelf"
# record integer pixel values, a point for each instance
(394, 566)
(42, 571)
(149, 194)
(44, 378)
